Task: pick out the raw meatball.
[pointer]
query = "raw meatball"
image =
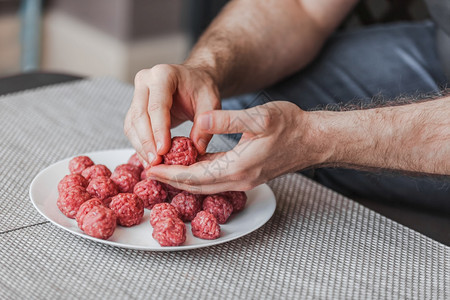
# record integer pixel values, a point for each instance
(129, 168)
(182, 152)
(205, 226)
(219, 206)
(134, 160)
(144, 174)
(187, 205)
(95, 171)
(171, 191)
(237, 199)
(70, 181)
(70, 200)
(125, 180)
(103, 188)
(85, 208)
(151, 192)
(170, 232)
(79, 163)
(128, 208)
(161, 211)
(100, 222)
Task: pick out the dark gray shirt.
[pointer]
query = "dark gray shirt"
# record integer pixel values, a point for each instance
(440, 12)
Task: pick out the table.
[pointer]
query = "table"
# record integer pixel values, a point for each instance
(318, 244)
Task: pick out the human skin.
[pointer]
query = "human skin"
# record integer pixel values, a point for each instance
(279, 137)
(239, 52)
(251, 44)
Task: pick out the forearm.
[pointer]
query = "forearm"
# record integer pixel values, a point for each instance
(413, 138)
(253, 44)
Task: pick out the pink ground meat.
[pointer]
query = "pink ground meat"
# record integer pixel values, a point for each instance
(103, 188)
(182, 152)
(170, 232)
(95, 171)
(125, 180)
(143, 174)
(70, 200)
(161, 211)
(100, 222)
(219, 206)
(134, 160)
(70, 181)
(171, 191)
(85, 208)
(237, 199)
(205, 226)
(79, 163)
(129, 168)
(151, 192)
(128, 208)
(187, 205)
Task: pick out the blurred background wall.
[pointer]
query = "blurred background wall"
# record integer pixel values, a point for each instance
(97, 37)
(119, 37)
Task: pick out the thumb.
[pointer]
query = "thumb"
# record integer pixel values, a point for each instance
(231, 121)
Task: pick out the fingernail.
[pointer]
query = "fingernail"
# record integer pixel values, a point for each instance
(202, 143)
(145, 164)
(151, 157)
(158, 146)
(205, 121)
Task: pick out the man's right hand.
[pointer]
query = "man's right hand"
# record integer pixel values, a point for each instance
(164, 97)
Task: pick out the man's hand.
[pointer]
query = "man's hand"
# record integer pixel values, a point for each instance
(164, 97)
(276, 139)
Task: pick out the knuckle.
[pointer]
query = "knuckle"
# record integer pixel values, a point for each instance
(147, 143)
(162, 69)
(162, 73)
(141, 76)
(153, 107)
(156, 130)
(127, 128)
(136, 114)
(266, 119)
(225, 122)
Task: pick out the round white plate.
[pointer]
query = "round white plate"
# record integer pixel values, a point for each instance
(43, 193)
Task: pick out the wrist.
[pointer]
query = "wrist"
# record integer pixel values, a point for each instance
(321, 140)
(207, 66)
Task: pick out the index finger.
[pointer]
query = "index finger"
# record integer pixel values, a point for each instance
(162, 86)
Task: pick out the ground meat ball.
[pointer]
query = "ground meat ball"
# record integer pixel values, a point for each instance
(70, 200)
(205, 226)
(187, 205)
(129, 168)
(151, 192)
(171, 191)
(219, 206)
(70, 181)
(182, 152)
(79, 163)
(95, 171)
(125, 180)
(134, 160)
(170, 232)
(102, 187)
(100, 222)
(237, 199)
(143, 174)
(128, 208)
(85, 208)
(161, 211)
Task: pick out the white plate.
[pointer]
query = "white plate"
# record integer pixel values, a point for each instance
(43, 193)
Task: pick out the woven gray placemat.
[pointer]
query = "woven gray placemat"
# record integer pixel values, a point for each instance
(318, 244)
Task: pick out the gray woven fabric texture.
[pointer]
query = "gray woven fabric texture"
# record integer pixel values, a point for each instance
(318, 244)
